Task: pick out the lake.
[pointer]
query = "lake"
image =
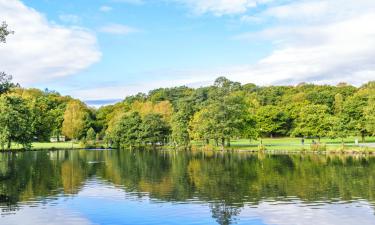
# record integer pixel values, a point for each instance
(161, 187)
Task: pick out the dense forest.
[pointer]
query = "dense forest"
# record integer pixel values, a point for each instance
(176, 116)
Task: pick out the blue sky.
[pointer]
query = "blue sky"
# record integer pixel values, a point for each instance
(107, 49)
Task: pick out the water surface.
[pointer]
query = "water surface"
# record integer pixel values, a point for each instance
(160, 187)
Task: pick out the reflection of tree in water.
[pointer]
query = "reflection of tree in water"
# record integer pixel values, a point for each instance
(229, 180)
(224, 213)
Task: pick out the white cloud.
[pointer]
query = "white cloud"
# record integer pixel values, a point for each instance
(105, 8)
(316, 41)
(119, 29)
(40, 50)
(221, 7)
(299, 213)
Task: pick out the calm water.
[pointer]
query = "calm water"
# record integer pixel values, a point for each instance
(138, 187)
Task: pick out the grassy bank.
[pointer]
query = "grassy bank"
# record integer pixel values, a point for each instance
(49, 145)
(295, 144)
(271, 144)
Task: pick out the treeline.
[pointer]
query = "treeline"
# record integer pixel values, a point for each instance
(228, 110)
(176, 116)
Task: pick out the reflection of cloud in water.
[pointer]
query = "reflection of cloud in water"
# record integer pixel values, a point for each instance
(298, 213)
(40, 215)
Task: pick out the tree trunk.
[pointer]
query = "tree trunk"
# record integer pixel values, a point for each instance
(223, 142)
(228, 142)
(216, 142)
(9, 144)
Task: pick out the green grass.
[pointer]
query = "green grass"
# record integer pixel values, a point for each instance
(283, 144)
(294, 144)
(49, 145)
(297, 141)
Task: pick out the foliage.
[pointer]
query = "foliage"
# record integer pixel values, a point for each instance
(15, 122)
(4, 32)
(74, 120)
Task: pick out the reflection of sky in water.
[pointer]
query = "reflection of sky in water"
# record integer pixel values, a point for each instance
(101, 203)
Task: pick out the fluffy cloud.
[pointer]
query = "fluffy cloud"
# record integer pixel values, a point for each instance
(41, 50)
(119, 29)
(315, 41)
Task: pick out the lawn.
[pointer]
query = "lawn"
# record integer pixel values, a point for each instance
(295, 144)
(49, 145)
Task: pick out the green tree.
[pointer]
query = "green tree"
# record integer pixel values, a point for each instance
(180, 123)
(200, 126)
(155, 129)
(91, 134)
(369, 112)
(15, 123)
(4, 32)
(127, 131)
(273, 121)
(313, 121)
(5, 83)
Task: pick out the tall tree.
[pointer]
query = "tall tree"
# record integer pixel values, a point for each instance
(74, 120)
(155, 129)
(15, 122)
(127, 131)
(313, 121)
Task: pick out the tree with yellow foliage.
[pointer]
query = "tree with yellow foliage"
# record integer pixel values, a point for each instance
(74, 119)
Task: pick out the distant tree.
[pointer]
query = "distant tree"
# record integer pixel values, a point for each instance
(273, 121)
(180, 123)
(91, 134)
(15, 122)
(250, 130)
(313, 121)
(5, 83)
(369, 113)
(338, 104)
(155, 129)
(74, 119)
(201, 125)
(220, 120)
(128, 131)
(4, 32)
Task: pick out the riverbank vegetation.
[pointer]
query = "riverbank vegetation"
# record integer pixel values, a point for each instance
(180, 117)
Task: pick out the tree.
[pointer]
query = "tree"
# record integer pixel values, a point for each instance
(220, 120)
(273, 121)
(338, 104)
(313, 121)
(369, 112)
(15, 123)
(127, 131)
(200, 126)
(74, 120)
(155, 129)
(180, 123)
(91, 134)
(4, 32)
(5, 83)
